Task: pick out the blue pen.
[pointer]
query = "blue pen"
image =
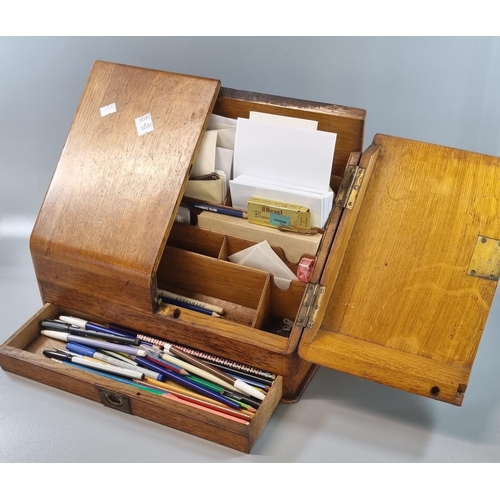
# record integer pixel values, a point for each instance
(191, 307)
(186, 383)
(87, 325)
(234, 212)
(84, 350)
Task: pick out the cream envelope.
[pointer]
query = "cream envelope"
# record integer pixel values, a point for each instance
(207, 190)
(205, 161)
(225, 138)
(224, 163)
(283, 120)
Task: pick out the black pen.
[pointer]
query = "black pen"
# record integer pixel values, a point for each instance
(248, 400)
(217, 209)
(74, 330)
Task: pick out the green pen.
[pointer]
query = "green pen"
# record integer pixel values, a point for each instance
(205, 383)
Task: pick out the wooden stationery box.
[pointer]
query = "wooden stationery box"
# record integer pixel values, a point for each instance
(401, 287)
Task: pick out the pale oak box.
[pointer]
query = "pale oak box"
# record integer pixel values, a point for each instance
(400, 292)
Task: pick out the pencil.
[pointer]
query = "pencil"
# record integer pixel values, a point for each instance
(167, 365)
(178, 389)
(190, 401)
(189, 306)
(201, 405)
(188, 383)
(238, 384)
(189, 300)
(195, 370)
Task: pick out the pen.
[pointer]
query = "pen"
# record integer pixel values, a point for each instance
(195, 370)
(218, 209)
(87, 325)
(98, 344)
(121, 357)
(186, 383)
(240, 398)
(175, 388)
(189, 300)
(124, 372)
(238, 384)
(57, 326)
(238, 415)
(192, 307)
(167, 365)
(84, 350)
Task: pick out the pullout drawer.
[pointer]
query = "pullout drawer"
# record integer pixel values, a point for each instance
(22, 354)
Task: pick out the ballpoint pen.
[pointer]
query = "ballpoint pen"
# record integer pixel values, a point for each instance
(79, 360)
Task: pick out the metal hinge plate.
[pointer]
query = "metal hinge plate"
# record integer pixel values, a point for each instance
(352, 181)
(312, 298)
(485, 262)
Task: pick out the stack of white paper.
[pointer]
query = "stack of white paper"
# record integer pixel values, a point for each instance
(282, 153)
(286, 160)
(262, 256)
(319, 203)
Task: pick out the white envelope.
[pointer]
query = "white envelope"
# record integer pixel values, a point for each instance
(219, 122)
(261, 256)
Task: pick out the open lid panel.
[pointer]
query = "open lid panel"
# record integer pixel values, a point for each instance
(112, 200)
(413, 270)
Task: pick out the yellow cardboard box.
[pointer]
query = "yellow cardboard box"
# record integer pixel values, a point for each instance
(275, 213)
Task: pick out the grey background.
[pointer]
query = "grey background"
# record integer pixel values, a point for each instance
(440, 90)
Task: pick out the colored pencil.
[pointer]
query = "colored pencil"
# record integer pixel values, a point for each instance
(238, 384)
(167, 365)
(187, 383)
(240, 418)
(178, 389)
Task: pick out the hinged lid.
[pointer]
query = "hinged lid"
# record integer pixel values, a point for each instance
(402, 305)
(111, 203)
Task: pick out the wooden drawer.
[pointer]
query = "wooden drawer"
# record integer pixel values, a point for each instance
(22, 354)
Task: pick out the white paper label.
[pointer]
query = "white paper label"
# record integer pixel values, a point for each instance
(107, 110)
(144, 124)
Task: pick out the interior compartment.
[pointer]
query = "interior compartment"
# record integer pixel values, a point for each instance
(195, 261)
(248, 296)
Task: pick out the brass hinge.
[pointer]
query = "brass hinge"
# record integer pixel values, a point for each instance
(349, 188)
(310, 304)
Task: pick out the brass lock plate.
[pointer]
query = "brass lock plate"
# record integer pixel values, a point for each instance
(485, 262)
